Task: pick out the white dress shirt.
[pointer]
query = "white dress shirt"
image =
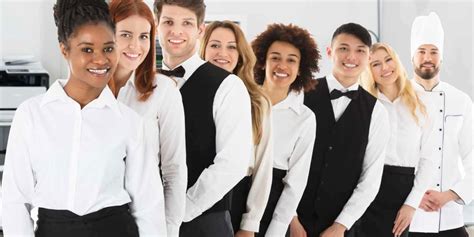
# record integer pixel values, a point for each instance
(233, 120)
(261, 169)
(62, 157)
(408, 145)
(451, 112)
(163, 117)
(294, 132)
(372, 166)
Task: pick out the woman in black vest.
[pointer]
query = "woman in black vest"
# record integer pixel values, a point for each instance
(225, 46)
(402, 188)
(286, 58)
(75, 152)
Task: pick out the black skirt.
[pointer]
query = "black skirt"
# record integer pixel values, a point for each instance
(107, 222)
(275, 193)
(379, 218)
(239, 197)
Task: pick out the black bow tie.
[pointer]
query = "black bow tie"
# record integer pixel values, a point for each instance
(177, 72)
(337, 93)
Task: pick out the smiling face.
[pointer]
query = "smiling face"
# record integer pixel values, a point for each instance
(221, 50)
(349, 56)
(281, 66)
(91, 55)
(427, 61)
(383, 68)
(133, 41)
(178, 32)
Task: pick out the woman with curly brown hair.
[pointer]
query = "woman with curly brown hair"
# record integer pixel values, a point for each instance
(225, 46)
(287, 56)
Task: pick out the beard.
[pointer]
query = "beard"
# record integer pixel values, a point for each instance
(427, 74)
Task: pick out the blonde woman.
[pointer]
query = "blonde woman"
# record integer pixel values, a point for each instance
(407, 169)
(225, 46)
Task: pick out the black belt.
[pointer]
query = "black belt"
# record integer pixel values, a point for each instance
(399, 169)
(49, 215)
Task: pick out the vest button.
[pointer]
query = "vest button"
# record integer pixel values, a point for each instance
(330, 148)
(326, 165)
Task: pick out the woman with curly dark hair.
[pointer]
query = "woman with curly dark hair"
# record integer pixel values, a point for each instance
(287, 57)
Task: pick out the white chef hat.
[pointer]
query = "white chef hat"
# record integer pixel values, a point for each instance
(427, 30)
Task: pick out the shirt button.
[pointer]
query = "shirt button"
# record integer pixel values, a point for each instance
(437, 185)
(441, 94)
(439, 167)
(441, 110)
(439, 148)
(440, 129)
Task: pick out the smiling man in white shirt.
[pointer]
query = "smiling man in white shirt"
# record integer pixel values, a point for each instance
(441, 211)
(217, 119)
(349, 151)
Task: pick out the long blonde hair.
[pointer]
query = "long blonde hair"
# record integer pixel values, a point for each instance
(244, 69)
(405, 89)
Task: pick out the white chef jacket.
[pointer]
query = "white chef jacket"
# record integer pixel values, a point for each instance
(451, 112)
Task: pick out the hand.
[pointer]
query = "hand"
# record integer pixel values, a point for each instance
(296, 228)
(426, 204)
(403, 220)
(438, 199)
(244, 233)
(336, 230)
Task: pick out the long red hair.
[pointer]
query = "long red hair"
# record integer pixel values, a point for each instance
(145, 73)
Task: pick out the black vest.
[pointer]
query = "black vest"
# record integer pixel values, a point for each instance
(338, 154)
(198, 98)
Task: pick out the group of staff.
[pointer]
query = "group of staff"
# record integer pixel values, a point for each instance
(236, 138)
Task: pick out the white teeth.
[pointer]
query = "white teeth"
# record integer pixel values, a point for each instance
(280, 74)
(222, 61)
(132, 55)
(350, 65)
(98, 71)
(176, 41)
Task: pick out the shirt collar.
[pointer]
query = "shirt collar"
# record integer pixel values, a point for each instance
(440, 87)
(190, 65)
(381, 96)
(56, 93)
(333, 83)
(293, 101)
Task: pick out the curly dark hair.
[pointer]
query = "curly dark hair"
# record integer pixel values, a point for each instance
(71, 14)
(296, 36)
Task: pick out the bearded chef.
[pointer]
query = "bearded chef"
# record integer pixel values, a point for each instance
(441, 210)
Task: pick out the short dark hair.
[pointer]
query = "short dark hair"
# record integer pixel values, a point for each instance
(71, 14)
(296, 36)
(356, 30)
(196, 6)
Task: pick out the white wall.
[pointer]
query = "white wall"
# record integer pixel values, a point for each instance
(457, 20)
(27, 27)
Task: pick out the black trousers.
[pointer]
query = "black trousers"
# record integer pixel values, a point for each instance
(275, 193)
(239, 197)
(378, 219)
(213, 224)
(459, 232)
(319, 227)
(107, 222)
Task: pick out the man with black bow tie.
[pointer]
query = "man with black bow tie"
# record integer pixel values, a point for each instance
(217, 118)
(351, 136)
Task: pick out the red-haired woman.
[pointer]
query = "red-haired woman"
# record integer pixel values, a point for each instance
(155, 97)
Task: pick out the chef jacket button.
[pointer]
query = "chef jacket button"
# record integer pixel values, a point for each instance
(441, 94)
(440, 129)
(441, 110)
(439, 148)
(437, 185)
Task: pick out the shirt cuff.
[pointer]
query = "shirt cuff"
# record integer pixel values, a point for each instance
(276, 229)
(249, 224)
(414, 198)
(173, 230)
(463, 195)
(345, 220)
(192, 211)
